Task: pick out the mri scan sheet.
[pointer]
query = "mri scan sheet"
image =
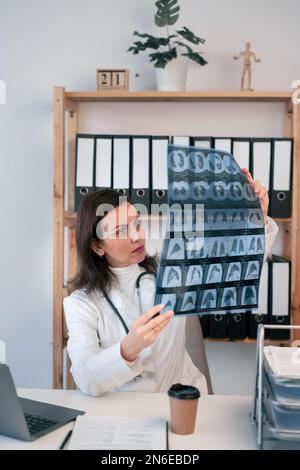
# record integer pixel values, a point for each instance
(214, 244)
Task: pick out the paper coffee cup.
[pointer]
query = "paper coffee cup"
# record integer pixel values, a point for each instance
(183, 408)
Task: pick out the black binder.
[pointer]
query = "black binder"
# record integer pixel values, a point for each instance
(237, 325)
(84, 167)
(204, 322)
(281, 177)
(280, 298)
(218, 325)
(140, 170)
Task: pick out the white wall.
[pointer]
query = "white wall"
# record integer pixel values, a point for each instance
(62, 42)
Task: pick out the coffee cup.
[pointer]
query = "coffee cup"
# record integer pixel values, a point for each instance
(183, 407)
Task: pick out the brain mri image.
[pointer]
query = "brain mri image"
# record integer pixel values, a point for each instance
(198, 163)
(189, 301)
(209, 299)
(234, 272)
(215, 163)
(218, 191)
(178, 161)
(199, 191)
(249, 193)
(172, 276)
(235, 191)
(231, 166)
(179, 190)
(194, 275)
(229, 297)
(215, 235)
(214, 273)
(176, 249)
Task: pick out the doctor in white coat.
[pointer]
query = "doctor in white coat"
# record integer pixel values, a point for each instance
(114, 341)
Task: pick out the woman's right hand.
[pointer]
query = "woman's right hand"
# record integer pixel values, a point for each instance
(144, 332)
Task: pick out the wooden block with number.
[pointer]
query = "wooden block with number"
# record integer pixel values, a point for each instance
(115, 79)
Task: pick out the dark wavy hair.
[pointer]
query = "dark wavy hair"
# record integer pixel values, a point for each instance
(93, 271)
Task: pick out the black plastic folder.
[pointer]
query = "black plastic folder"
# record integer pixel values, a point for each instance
(214, 244)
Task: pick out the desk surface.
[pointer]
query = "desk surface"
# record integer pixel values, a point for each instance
(222, 421)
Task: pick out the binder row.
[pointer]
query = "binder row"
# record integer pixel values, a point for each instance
(273, 307)
(136, 166)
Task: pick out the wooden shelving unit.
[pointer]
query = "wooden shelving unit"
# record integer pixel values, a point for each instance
(66, 118)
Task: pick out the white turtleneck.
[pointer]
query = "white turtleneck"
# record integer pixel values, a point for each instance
(126, 281)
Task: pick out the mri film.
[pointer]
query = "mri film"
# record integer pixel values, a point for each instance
(215, 238)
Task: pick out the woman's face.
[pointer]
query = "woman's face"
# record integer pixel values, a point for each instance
(122, 237)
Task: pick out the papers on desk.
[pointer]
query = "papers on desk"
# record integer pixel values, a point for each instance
(99, 433)
(284, 362)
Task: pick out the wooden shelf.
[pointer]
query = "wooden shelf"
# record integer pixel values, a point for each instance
(268, 342)
(70, 218)
(66, 121)
(187, 96)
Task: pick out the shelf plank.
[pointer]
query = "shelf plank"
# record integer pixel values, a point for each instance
(268, 342)
(187, 96)
(70, 217)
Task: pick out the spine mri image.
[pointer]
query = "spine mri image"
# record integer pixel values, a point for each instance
(214, 243)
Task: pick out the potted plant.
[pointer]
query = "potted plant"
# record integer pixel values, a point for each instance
(171, 53)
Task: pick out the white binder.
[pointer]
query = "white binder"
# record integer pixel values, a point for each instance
(103, 162)
(222, 143)
(205, 142)
(261, 161)
(121, 164)
(140, 163)
(159, 170)
(281, 178)
(84, 181)
(181, 140)
(241, 152)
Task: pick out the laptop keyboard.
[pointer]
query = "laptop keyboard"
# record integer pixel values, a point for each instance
(37, 424)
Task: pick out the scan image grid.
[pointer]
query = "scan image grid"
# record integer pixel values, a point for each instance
(214, 243)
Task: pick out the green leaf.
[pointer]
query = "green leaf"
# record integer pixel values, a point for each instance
(161, 59)
(190, 36)
(151, 42)
(167, 12)
(196, 57)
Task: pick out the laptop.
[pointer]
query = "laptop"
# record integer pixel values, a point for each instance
(28, 419)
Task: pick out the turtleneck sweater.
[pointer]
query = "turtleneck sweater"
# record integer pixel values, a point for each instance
(126, 280)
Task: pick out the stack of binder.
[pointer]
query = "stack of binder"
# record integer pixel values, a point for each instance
(136, 166)
(281, 397)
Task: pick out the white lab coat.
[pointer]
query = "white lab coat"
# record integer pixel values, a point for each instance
(95, 334)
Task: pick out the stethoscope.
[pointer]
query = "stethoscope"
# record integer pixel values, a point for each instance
(137, 286)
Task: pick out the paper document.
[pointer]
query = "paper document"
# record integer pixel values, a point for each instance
(284, 362)
(99, 433)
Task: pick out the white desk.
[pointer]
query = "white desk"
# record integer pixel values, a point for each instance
(222, 421)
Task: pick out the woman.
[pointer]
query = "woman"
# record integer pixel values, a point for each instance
(151, 356)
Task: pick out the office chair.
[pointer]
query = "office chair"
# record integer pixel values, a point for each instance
(196, 348)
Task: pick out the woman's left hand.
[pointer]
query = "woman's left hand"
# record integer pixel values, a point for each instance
(260, 191)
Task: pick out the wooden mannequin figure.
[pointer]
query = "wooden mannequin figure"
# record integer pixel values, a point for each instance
(248, 55)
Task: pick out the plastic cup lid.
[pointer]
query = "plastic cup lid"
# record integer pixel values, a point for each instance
(183, 392)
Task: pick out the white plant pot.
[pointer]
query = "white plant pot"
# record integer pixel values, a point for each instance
(173, 76)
